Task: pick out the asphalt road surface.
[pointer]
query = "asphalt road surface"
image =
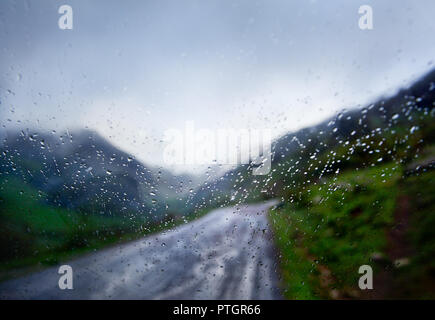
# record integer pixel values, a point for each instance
(227, 254)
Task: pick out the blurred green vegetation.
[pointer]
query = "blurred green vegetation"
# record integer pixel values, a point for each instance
(345, 221)
(34, 233)
(358, 190)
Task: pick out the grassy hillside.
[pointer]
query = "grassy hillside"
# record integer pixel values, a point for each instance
(60, 196)
(376, 216)
(34, 232)
(360, 190)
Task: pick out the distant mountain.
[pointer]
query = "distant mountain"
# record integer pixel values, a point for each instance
(65, 193)
(391, 128)
(83, 171)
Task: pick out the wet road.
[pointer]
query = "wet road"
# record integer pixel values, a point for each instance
(227, 254)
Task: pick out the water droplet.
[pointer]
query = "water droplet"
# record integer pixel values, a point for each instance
(413, 129)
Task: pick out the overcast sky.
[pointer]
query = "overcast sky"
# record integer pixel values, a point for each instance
(133, 69)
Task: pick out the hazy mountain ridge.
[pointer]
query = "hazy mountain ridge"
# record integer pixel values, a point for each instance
(340, 142)
(81, 170)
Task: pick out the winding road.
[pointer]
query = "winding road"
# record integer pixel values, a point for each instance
(227, 254)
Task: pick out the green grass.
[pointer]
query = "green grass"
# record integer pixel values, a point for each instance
(417, 279)
(34, 234)
(335, 227)
(332, 227)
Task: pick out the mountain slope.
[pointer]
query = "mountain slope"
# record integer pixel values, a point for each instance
(61, 194)
(393, 128)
